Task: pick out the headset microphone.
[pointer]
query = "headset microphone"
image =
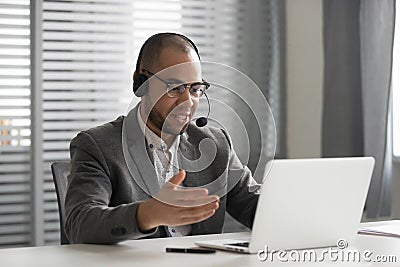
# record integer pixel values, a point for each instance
(202, 121)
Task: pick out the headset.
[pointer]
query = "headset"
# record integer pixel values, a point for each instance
(140, 79)
(140, 88)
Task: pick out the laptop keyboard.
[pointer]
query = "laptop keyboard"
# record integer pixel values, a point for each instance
(243, 244)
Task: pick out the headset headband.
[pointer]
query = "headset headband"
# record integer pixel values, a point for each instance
(139, 59)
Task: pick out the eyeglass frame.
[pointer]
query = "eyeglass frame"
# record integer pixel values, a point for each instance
(169, 84)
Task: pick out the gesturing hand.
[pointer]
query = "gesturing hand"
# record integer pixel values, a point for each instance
(174, 206)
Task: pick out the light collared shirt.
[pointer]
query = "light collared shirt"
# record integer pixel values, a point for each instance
(165, 161)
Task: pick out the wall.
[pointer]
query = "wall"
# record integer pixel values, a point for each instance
(395, 190)
(304, 68)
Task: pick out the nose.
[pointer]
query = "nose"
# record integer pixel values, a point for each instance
(185, 99)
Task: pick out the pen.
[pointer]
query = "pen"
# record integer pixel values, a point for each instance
(190, 250)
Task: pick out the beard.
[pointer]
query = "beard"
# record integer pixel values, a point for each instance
(163, 125)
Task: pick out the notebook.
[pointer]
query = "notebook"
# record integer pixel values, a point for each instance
(306, 203)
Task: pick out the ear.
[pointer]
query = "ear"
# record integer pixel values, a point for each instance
(134, 75)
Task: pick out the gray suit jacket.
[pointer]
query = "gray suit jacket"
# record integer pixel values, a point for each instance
(103, 193)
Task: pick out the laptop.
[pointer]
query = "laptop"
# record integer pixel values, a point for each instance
(306, 203)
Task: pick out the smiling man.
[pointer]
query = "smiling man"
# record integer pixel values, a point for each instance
(114, 196)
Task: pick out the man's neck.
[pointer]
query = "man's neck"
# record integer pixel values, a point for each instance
(167, 138)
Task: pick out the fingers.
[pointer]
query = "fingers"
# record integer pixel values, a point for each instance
(188, 193)
(172, 215)
(173, 195)
(200, 210)
(197, 214)
(185, 199)
(196, 202)
(196, 219)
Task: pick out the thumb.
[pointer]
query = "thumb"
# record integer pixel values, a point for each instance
(178, 178)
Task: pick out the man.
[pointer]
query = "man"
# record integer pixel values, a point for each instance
(115, 195)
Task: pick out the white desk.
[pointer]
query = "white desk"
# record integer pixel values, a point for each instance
(151, 252)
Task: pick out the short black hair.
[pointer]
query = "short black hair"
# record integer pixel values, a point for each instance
(154, 45)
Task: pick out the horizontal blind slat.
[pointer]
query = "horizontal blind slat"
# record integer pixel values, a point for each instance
(116, 7)
(97, 37)
(15, 198)
(78, 66)
(92, 17)
(80, 27)
(85, 56)
(16, 228)
(81, 46)
(84, 85)
(20, 238)
(77, 115)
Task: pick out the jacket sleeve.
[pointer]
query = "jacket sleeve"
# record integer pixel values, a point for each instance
(242, 199)
(89, 219)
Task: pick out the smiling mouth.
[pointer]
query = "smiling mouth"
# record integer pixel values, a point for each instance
(180, 117)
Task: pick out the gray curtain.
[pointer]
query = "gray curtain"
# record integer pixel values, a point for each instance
(358, 44)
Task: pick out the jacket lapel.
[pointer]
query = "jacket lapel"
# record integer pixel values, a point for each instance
(186, 156)
(136, 156)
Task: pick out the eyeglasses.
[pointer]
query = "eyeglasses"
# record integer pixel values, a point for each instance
(175, 89)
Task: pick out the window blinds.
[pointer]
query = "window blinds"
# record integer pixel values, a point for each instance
(86, 79)
(15, 185)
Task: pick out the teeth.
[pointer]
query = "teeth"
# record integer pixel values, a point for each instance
(181, 116)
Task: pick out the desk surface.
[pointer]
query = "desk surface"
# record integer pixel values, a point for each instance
(151, 252)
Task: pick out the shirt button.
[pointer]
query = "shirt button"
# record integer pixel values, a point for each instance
(173, 230)
(151, 146)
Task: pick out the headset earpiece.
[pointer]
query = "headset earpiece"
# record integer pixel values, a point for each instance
(140, 87)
